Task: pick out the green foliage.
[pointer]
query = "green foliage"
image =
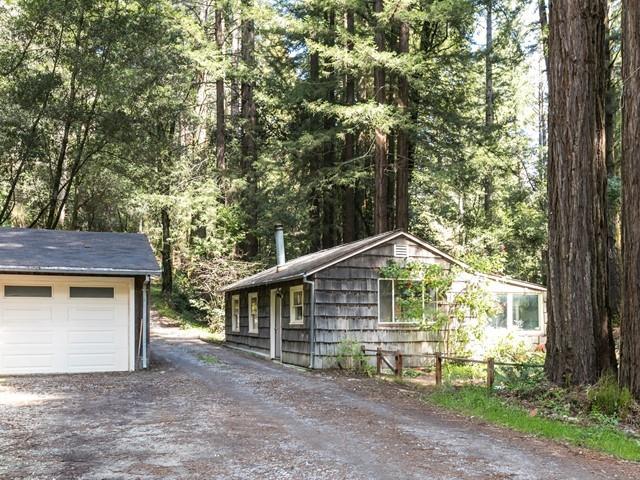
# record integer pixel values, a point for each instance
(108, 117)
(607, 398)
(478, 402)
(518, 380)
(351, 357)
(424, 295)
(208, 359)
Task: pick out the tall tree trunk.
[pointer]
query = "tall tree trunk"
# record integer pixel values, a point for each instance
(348, 152)
(248, 150)
(613, 253)
(220, 104)
(167, 259)
(630, 325)
(329, 232)
(544, 31)
(403, 147)
(380, 156)
(315, 165)
(579, 346)
(487, 182)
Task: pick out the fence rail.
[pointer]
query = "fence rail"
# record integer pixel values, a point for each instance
(397, 365)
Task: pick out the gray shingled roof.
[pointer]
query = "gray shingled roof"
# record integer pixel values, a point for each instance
(314, 262)
(311, 263)
(90, 253)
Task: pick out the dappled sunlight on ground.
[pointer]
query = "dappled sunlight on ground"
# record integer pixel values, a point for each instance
(12, 397)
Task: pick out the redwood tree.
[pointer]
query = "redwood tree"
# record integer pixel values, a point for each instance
(580, 343)
(630, 325)
(380, 219)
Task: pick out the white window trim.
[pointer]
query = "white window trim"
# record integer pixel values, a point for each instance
(250, 297)
(292, 292)
(235, 315)
(393, 296)
(510, 326)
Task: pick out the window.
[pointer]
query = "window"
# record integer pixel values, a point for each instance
(520, 311)
(253, 313)
(525, 312)
(404, 301)
(26, 291)
(235, 313)
(499, 319)
(297, 305)
(91, 292)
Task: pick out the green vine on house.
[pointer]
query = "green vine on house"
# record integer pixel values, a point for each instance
(424, 295)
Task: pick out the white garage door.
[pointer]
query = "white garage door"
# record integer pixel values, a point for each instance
(54, 324)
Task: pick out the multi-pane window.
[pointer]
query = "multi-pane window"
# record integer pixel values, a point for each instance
(297, 305)
(519, 311)
(235, 313)
(253, 313)
(405, 301)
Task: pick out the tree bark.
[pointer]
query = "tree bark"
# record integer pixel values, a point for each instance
(248, 150)
(220, 103)
(630, 325)
(403, 147)
(579, 338)
(167, 259)
(380, 157)
(348, 152)
(613, 251)
(329, 232)
(315, 166)
(487, 182)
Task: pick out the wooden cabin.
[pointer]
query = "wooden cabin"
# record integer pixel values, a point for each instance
(300, 311)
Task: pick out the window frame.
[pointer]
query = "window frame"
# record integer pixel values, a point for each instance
(235, 314)
(393, 300)
(293, 306)
(510, 325)
(250, 297)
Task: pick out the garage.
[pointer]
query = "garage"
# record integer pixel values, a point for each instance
(73, 302)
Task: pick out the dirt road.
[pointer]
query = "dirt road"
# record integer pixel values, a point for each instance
(205, 411)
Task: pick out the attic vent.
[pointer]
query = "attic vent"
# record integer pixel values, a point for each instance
(400, 251)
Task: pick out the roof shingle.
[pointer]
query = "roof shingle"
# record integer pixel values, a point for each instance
(91, 253)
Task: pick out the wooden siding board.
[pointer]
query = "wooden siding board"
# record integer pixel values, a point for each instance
(347, 308)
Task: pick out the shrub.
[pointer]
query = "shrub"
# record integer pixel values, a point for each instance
(351, 357)
(607, 398)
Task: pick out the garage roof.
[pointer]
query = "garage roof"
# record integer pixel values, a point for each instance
(27, 250)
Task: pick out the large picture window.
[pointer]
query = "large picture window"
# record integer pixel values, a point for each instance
(517, 311)
(404, 301)
(253, 313)
(235, 313)
(297, 305)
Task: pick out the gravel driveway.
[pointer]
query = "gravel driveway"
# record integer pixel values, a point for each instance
(205, 411)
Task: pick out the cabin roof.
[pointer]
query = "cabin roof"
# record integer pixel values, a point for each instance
(315, 262)
(28, 250)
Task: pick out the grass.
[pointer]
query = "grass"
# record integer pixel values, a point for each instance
(208, 359)
(478, 402)
(186, 319)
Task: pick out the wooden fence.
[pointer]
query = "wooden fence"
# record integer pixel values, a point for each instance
(396, 366)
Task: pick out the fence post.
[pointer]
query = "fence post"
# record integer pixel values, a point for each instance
(363, 360)
(491, 372)
(378, 360)
(398, 363)
(438, 368)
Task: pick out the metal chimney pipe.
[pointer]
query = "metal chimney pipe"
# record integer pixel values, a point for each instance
(280, 257)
